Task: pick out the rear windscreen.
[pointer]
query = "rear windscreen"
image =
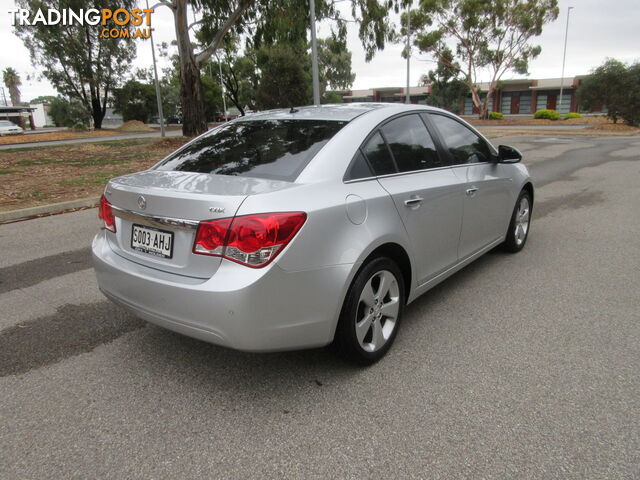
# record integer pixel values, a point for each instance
(274, 149)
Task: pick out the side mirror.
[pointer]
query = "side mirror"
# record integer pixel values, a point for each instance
(507, 154)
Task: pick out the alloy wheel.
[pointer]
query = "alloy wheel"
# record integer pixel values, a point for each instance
(377, 312)
(522, 221)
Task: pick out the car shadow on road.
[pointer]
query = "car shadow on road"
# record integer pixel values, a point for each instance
(159, 351)
(134, 349)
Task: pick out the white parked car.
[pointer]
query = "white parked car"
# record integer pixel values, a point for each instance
(9, 128)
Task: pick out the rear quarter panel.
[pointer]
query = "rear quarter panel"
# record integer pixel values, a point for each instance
(329, 237)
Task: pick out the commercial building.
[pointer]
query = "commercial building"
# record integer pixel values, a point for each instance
(513, 97)
(526, 96)
(27, 116)
(387, 94)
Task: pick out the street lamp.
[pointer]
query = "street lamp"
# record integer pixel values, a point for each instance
(408, 95)
(155, 74)
(564, 56)
(314, 54)
(224, 100)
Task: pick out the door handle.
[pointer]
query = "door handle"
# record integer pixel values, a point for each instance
(471, 191)
(413, 201)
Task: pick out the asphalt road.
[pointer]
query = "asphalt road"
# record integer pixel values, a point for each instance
(520, 366)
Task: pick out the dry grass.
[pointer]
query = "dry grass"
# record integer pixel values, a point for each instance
(614, 127)
(51, 136)
(134, 126)
(597, 126)
(542, 121)
(550, 132)
(42, 175)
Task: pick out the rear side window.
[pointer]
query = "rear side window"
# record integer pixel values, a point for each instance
(378, 155)
(411, 144)
(463, 144)
(359, 168)
(273, 149)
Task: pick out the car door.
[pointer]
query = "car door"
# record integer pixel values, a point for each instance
(486, 187)
(426, 192)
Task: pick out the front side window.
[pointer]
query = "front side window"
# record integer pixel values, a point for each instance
(378, 155)
(273, 149)
(411, 144)
(463, 145)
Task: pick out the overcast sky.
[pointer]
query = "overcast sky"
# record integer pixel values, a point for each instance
(597, 29)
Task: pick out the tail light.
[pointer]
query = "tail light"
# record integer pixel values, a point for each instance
(105, 213)
(251, 240)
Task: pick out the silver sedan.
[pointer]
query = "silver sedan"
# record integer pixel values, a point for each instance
(300, 228)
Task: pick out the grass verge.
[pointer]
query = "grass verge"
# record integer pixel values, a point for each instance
(43, 175)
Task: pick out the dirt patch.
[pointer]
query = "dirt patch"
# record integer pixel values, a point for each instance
(558, 132)
(134, 126)
(542, 121)
(52, 136)
(614, 127)
(43, 175)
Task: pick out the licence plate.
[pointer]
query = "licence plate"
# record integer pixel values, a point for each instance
(151, 240)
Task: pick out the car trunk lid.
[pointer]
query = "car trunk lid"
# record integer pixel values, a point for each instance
(172, 203)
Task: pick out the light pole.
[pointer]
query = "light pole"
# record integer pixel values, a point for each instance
(155, 74)
(314, 54)
(224, 100)
(408, 95)
(564, 56)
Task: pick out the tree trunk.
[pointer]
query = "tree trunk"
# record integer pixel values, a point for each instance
(476, 99)
(484, 109)
(194, 121)
(97, 113)
(234, 97)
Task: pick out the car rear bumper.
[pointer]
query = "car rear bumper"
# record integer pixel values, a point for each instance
(243, 308)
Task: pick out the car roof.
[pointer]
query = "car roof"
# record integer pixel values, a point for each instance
(337, 112)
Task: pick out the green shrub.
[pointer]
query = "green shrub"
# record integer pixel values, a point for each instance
(548, 114)
(496, 116)
(572, 115)
(79, 127)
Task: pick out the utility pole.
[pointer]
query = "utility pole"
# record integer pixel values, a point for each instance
(408, 95)
(564, 56)
(155, 74)
(4, 97)
(224, 100)
(314, 54)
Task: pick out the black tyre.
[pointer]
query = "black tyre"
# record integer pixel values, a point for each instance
(520, 224)
(371, 313)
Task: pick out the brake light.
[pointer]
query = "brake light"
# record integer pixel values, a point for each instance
(251, 240)
(105, 213)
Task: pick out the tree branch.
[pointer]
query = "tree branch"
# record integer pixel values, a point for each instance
(168, 3)
(226, 26)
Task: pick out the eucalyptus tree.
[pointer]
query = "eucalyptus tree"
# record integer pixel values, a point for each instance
(487, 37)
(616, 85)
(264, 20)
(448, 91)
(77, 62)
